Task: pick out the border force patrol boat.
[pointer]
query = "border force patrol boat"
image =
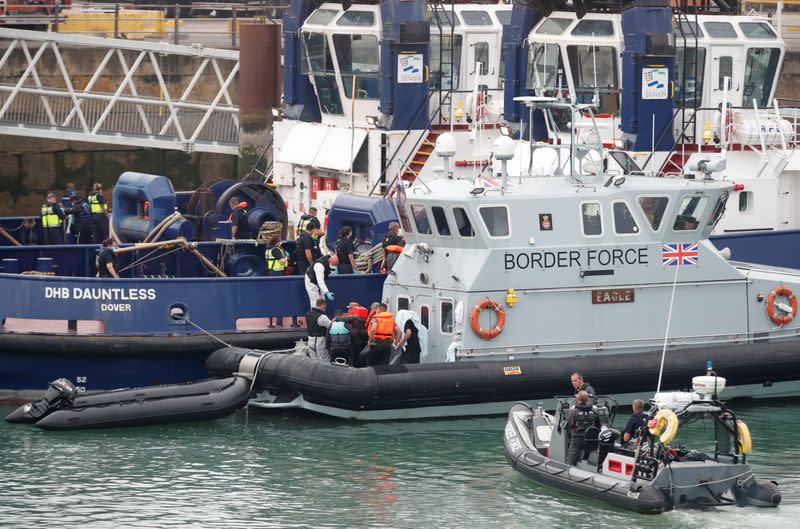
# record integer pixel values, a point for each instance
(648, 475)
(517, 281)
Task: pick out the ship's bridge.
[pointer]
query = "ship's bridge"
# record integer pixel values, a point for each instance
(582, 58)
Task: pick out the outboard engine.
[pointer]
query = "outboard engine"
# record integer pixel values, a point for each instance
(60, 394)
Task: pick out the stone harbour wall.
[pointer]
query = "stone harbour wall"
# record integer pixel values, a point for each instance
(30, 167)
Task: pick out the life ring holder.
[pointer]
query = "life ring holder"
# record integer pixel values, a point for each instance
(494, 332)
(781, 319)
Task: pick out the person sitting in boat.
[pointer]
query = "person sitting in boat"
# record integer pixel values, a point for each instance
(636, 424)
(315, 278)
(383, 335)
(317, 324)
(580, 418)
(340, 343)
(345, 251)
(106, 261)
(394, 240)
(580, 385)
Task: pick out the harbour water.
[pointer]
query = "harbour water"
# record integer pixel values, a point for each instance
(300, 470)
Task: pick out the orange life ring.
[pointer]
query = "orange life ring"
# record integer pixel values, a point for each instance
(781, 319)
(488, 334)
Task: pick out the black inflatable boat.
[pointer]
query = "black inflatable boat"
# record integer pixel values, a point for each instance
(62, 409)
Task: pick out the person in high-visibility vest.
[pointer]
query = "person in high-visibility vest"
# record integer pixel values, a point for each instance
(52, 221)
(99, 209)
(306, 220)
(277, 258)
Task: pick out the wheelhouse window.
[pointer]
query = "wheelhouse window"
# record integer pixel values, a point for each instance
(653, 209)
(554, 26)
(720, 30)
(358, 55)
(356, 18)
(322, 16)
(462, 223)
(402, 303)
(690, 64)
(318, 62)
(400, 203)
(594, 69)
(476, 18)
(689, 213)
(442, 17)
(482, 56)
(544, 67)
(592, 221)
(447, 317)
(440, 219)
(757, 30)
(725, 70)
(421, 219)
(719, 209)
(744, 201)
(593, 28)
(495, 218)
(624, 223)
(504, 17)
(445, 61)
(425, 316)
(759, 74)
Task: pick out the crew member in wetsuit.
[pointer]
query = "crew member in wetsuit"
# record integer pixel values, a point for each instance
(580, 385)
(107, 264)
(52, 221)
(315, 279)
(636, 424)
(81, 220)
(579, 419)
(317, 324)
(383, 335)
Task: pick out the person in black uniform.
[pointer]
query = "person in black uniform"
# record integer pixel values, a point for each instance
(99, 208)
(304, 255)
(580, 385)
(317, 324)
(345, 251)
(52, 221)
(107, 264)
(240, 228)
(635, 424)
(410, 340)
(579, 419)
(81, 220)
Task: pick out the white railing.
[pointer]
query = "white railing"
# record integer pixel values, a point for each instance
(126, 100)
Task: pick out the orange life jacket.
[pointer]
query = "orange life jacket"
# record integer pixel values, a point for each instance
(358, 310)
(370, 317)
(385, 328)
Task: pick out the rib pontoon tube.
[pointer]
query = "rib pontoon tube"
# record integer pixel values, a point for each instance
(483, 381)
(640, 497)
(207, 399)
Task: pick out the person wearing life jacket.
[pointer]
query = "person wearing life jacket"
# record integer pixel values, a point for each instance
(276, 256)
(580, 418)
(355, 309)
(307, 219)
(636, 424)
(383, 335)
(340, 343)
(99, 209)
(240, 228)
(317, 324)
(81, 219)
(315, 278)
(392, 245)
(52, 221)
(373, 310)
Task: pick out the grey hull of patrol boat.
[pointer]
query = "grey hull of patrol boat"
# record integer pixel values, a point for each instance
(456, 384)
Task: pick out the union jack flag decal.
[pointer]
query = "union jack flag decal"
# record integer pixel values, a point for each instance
(679, 254)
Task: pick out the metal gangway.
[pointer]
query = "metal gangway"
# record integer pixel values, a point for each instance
(144, 94)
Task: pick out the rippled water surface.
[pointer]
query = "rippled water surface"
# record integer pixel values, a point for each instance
(300, 470)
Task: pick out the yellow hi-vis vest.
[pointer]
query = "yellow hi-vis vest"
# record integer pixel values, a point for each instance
(95, 204)
(275, 264)
(49, 217)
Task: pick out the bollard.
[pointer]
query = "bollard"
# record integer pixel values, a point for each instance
(11, 266)
(44, 264)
